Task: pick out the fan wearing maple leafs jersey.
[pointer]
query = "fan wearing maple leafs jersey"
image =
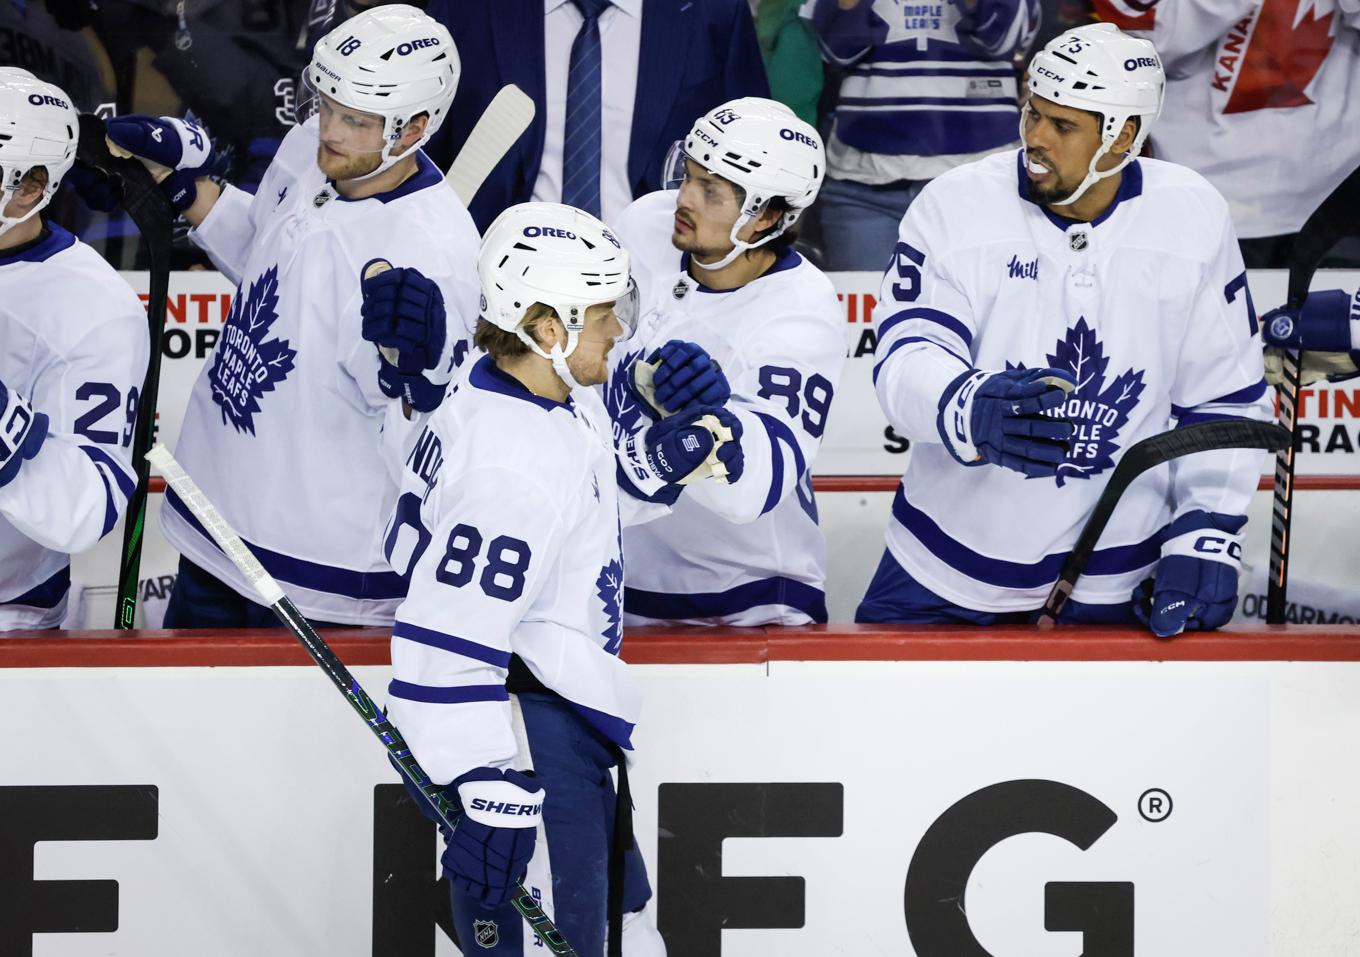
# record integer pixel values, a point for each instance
(720, 271)
(1044, 311)
(1260, 99)
(73, 354)
(285, 426)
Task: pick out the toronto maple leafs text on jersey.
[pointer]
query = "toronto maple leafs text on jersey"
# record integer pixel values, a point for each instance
(1260, 98)
(751, 552)
(1147, 308)
(284, 427)
(73, 343)
(508, 526)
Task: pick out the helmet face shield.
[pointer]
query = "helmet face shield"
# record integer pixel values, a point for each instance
(673, 168)
(339, 126)
(626, 309)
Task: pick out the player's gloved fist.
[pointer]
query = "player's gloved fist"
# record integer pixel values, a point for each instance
(686, 375)
(998, 418)
(178, 145)
(489, 851)
(94, 187)
(422, 391)
(22, 432)
(1196, 584)
(678, 448)
(404, 310)
(1328, 322)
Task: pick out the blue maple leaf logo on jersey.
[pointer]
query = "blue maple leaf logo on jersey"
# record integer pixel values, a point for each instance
(609, 587)
(624, 410)
(1098, 411)
(246, 365)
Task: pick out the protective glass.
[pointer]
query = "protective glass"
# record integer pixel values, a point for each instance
(354, 130)
(673, 168)
(627, 310)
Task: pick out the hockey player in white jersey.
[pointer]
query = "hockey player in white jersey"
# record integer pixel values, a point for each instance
(764, 328)
(1044, 310)
(506, 677)
(285, 424)
(73, 355)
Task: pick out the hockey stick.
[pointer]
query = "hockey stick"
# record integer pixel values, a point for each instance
(1149, 453)
(149, 209)
(1327, 224)
(503, 122)
(268, 589)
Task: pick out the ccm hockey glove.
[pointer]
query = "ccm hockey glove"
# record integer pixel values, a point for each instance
(1196, 584)
(998, 418)
(22, 432)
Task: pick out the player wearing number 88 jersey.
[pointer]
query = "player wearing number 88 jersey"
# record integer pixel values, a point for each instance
(73, 353)
(718, 269)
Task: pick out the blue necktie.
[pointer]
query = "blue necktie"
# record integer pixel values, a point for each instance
(581, 143)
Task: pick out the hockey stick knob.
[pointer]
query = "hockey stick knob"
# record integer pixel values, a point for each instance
(376, 268)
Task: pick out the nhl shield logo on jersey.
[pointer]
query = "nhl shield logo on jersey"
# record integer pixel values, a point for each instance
(486, 933)
(246, 364)
(1097, 410)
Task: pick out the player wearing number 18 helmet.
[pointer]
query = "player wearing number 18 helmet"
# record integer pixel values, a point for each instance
(506, 677)
(734, 313)
(73, 354)
(285, 426)
(1043, 311)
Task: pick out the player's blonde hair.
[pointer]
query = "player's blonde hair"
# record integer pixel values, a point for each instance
(500, 344)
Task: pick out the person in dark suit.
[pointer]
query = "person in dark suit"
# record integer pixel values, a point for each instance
(616, 83)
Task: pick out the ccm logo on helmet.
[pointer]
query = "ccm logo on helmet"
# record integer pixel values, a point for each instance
(1045, 71)
(1134, 62)
(405, 48)
(42, 99)
(797, 137)
(532, 231)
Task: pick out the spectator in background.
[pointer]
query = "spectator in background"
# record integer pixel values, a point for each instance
(1261, 100)
(792, 61)
(929, 86)
(616, 83)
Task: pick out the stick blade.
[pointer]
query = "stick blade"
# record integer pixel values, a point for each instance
(506, 118)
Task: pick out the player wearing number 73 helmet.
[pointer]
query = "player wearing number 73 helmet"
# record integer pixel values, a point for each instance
(1043, 311)
(73, 354)
(734, 311)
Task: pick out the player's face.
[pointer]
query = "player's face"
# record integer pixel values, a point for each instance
(1059, 144)
(589, 361)
(351, 141)
(705, 210)
(29, 192)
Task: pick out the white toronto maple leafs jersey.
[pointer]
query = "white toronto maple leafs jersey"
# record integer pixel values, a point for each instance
(1260, 97)
(751, 552)
(1147, 307)
(284, 426)
(74, 344)
(508, 528)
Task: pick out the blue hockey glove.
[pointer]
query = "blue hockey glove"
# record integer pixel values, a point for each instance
(680, 449)
(997, 418)
(404, 310)
(22, 432)
(489, 851)
(1326, 330)
(94, 187)
(178, 145)
(1196, 584)
(422, 391)
(687, 376)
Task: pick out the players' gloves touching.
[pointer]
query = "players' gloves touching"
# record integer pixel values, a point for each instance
(22, 432)
(1326, 329)
(403, 315)
(1196, 584)
(677, 376)
(488, 852)
(180, 146)
(684, 448)
(998, 418)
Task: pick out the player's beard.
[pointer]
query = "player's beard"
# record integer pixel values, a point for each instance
(1054, 192)
(588, 366)
(346, 165)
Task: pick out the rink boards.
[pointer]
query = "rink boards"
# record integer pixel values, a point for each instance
(930, 793)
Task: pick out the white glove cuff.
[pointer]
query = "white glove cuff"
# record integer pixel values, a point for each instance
(500, 804)
(1208, 544)
(956, 419)
(633, 455)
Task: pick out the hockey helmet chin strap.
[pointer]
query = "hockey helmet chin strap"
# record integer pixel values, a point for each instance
(739, 246)
(1093, 175)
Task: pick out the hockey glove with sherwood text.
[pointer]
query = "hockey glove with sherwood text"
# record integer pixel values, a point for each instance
(998, 418)
(489, 851)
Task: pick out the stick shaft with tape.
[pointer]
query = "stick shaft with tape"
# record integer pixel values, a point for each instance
(273, 595)
(503, 122)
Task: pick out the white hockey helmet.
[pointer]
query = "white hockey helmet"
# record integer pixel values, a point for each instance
(392, 61)
(1101, 69)
(764, 148)
(38, 127)
(560, 256)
